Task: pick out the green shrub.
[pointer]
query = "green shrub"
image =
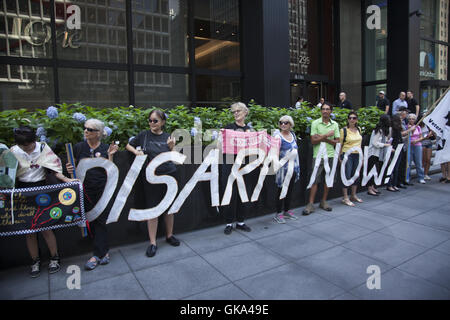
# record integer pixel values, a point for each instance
(126, 122)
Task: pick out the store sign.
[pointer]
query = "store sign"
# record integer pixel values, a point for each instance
(39, 33)
(374, 20)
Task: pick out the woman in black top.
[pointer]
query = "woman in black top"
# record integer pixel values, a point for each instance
(153, 142)
(236, 209)
(396, 140)
(94, 184)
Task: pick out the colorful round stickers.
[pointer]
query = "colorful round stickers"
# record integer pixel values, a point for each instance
(66, 197)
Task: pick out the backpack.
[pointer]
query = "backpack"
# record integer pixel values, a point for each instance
(345, 133)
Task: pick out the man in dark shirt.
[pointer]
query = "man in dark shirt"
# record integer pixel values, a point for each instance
(383, 103)
(343, 102)
(413, 105)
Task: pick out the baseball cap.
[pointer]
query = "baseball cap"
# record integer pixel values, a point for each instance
(382, 92)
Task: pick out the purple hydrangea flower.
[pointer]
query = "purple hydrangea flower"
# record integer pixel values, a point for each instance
(41, 132)
(108, 131)
(79, 117)
(52, 112)
(194, 132)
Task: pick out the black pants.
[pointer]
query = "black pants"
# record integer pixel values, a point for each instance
(402, 168)
(98, 226)
(374, 161)
(236, 209)
(286, 202)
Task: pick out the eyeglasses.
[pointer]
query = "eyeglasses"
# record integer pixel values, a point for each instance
(284, 123)
(91, 130)
(352, 118)
(236, 111)
(153, 120)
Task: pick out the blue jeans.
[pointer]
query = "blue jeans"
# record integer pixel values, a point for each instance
(416, 156)
(351, 165)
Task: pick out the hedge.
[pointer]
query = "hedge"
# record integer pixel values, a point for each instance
(64, 123)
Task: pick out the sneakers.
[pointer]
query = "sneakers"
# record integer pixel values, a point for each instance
(228, 229)
(279, 218)
(427, 177)
(422, 181)
(35, 268)
(243, 227)
(308, 210)
(53, 266)
(290, 215)
(324, 205)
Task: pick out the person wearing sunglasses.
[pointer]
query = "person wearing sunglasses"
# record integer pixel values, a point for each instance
(36, 161)
(152, 143)
(236, 209)
(350, 138)
(288, 143)
(94, 184)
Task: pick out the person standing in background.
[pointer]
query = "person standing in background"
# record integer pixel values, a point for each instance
(413, 105)
(343, 102)
(383, 103)
(400, 102)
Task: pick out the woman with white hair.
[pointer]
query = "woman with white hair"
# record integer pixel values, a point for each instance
(416, 148)
(288, 143)
(94, 183)
(236, 209)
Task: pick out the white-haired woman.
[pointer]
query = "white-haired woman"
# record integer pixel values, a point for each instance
(94, 183)
(236, 209)
(416, 148)
(288, 143)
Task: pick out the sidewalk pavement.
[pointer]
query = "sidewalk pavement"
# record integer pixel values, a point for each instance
(322, 256)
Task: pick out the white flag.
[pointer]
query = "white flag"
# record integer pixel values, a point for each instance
(439, 122)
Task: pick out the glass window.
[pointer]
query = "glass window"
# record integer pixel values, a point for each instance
(161, 89)
(216, 26)
(164, 33)
(96, 88)
(432, 65)
(298, 36)
(25, 29)
(372, 94)
(375, 46)
(103, 29)
(25, 87)
(215, 90)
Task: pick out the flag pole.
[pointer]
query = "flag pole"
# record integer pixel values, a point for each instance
(434, 105)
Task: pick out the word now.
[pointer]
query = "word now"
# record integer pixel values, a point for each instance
(172, 203)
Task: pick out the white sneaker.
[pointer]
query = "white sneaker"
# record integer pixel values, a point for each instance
(427, 177)
(279, 218)
(422, 181)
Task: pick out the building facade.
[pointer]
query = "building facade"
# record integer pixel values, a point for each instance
(163, 53)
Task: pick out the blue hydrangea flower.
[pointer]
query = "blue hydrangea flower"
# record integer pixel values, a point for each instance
(308, 118)
(214, 135)
(250, 125)
(79, 117)
(43, 138)
(197, 120)
(333, 116)
(194, 132)
(108, 131)
(41, 132)
(52, 112)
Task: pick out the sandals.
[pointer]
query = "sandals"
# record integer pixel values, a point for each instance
(348, 202)
(356, 199)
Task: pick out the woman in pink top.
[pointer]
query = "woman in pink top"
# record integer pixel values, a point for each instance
(416, 147)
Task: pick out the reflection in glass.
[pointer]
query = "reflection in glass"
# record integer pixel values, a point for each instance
(217, 34)
(25, 87)
(159, 32)
(25, 29)
(433, 61)
(161, 89)
(375, 46)
(102, 36)
(215, 90)
(97, 88)
(298, 37)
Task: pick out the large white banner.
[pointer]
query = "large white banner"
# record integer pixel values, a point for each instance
(439, 122)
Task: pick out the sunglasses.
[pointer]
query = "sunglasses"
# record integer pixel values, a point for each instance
(153, 120)
(91, 130)
(284, 123)
(352, 118)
